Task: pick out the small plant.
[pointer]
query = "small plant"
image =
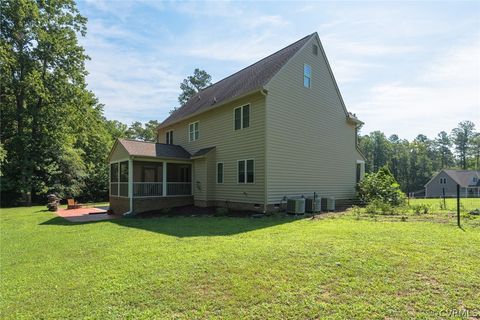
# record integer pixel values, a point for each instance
(356, 212)
(381, 186)
(403, 218)
(220, 212)
(420, 208)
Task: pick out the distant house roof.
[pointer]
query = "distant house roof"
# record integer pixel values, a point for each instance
(245, 81)
(463, 177)
(202, 152)
(151, 149)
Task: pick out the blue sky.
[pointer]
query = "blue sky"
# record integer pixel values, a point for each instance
(402, 67)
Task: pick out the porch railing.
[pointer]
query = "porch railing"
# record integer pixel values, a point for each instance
(155, 189)
(179, 188)
(147, 189)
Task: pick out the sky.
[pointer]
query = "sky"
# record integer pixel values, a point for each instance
(402, 67)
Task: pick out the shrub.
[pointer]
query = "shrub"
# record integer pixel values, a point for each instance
(378, 206)
(381, 186)
(221, 212)
(420, 208)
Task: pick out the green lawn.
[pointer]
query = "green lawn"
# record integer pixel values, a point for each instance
(449, 205)
(204, 267)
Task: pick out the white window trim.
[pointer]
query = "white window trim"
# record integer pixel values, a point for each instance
(254, 174)
(310, 82)
(169, 136)
(241, 116)
(188, 129)
(223, 172)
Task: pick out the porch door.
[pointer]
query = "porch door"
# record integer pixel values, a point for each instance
(149, 174)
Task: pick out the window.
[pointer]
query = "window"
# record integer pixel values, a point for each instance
(475, 179)
(219, 172)
(246, 171)
(315, 49)
(169, 137)
(307, 76)
(443, 180)
(242, 117)
(359, 172)
(193, 131)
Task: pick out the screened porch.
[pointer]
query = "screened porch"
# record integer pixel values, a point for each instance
(142, 179)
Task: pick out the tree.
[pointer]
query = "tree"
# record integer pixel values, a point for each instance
(193, 84)
(147, 132)
(461, 137)
(49, 118)
(381, 186)
(475, 151)
(442, 145)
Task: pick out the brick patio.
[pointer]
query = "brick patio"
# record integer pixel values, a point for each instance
(84, 214)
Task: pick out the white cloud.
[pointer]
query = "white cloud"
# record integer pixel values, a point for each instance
(442, 94)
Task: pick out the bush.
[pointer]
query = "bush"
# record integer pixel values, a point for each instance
(220, 212)
(382, 187)
(420, 208)
(378, 206)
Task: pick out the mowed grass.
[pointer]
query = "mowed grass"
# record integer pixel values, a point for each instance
(447, 205)
(231, 268)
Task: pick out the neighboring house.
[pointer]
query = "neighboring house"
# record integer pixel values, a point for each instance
(276, 129)
(445, 183)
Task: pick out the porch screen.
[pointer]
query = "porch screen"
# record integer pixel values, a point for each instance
(123, 179)
(114, 179)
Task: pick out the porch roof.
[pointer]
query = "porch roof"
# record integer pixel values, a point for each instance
(157, 150)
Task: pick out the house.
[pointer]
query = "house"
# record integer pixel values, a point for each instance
(277, 129)
(445, 183)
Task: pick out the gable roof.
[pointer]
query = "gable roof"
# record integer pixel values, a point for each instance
(462, 177)
(247, 80)
(151, 149)
(202, 152)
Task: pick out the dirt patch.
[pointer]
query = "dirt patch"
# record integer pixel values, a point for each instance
(192, 211)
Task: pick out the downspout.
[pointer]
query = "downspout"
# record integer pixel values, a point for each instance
(264, 92)
(130, 213)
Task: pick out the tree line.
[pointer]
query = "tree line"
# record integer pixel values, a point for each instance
(54, 135)
(413, 163)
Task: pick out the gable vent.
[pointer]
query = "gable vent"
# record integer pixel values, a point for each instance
(315, 49)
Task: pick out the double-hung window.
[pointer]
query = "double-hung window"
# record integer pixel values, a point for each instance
(246, 171)
(219, 172)
(169, 137)
(307, 76)
(242, 117)
(193, 132)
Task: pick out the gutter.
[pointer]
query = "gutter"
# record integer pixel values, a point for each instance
(265, 201)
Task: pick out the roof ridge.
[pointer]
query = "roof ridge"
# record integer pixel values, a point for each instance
(251, 65)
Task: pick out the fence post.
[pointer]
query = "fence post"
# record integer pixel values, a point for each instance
(458, 205)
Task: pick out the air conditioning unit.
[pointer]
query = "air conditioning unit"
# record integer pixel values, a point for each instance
(296, 206)
(312, 205)
(328, 203)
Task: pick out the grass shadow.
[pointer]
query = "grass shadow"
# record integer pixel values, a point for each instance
(188, 226)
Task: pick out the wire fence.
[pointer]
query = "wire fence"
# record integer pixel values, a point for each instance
(462, 201)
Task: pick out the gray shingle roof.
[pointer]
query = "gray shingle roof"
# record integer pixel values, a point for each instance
(247, 80)
(202, 152)
(464, 177)
(150, 149)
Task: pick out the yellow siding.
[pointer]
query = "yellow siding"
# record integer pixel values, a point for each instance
(216, 130)
(310, 146)
(118, 153)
